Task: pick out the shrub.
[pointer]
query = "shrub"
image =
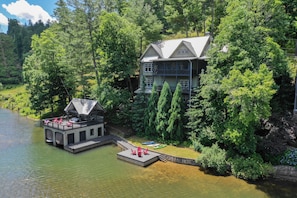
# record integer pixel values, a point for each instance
(213, 158)
(250, 168)
(289, 158)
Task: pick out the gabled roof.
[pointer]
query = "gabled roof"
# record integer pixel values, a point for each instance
(83, 106)
(188, 45)
(196, 45)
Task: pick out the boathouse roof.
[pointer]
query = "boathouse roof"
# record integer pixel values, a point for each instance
(83, 106)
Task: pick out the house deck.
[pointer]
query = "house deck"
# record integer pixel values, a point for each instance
(125, 155)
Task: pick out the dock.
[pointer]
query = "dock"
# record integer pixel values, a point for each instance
(125, 154)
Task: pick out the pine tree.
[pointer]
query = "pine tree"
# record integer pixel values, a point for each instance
(175, 122)
(163, 111)
(150, 113)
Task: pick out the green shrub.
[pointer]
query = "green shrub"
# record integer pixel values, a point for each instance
(213, 158)
(289, 158)
(250, 168)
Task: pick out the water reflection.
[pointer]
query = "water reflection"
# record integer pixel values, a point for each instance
(31, 168)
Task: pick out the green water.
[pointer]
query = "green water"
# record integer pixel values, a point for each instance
(31, 168)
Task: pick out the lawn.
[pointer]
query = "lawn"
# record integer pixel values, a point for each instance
(169, 149)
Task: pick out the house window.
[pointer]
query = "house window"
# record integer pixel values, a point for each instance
(183, 51)
(92, 132)
(148, 67)
(185, 84)
(149, 82)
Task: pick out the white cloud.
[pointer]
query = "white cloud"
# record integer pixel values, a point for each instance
(3, 20)
(23, 10)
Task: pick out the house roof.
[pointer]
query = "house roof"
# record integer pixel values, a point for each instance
(165, 49)
(83, 106)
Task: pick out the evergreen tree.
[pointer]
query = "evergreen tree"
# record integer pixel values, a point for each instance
(175, 123)
(150, 113)
(10, 71)
(163, 106)
(141, 14)
(138, 112)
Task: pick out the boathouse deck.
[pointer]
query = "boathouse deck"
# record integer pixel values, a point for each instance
(64, 124)
(125, 155)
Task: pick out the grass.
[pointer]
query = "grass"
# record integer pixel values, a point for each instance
(16, 98)
(184, 152)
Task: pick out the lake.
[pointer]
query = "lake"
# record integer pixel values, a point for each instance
(31, 168)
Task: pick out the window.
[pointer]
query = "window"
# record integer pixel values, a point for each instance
(148, 67)
(183, 51)
(149, 82)
(92, 132)
(185, 84)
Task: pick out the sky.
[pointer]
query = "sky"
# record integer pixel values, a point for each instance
(25, 10)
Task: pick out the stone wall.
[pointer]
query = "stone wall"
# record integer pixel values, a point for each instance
(288, 173)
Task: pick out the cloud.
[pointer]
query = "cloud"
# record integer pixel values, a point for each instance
(23, 10)
(3, 20)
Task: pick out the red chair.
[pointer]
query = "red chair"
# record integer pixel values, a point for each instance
(133, 152)
(139, 152)
(69, 124)
(60, 121)
(145, 152)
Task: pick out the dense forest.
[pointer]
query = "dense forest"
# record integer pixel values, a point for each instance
(92, 51)
(14, 47)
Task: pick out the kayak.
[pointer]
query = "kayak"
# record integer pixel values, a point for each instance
(160, 146)
(148, 143)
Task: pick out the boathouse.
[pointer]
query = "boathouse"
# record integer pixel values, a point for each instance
(83, 121)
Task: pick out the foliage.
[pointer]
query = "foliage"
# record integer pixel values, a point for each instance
(213, 158)
(176, 119)
(163, 106)
(115, 102)
(141, 14)
(45, 75)
(289, 158)
(116, 39)
(21, 35)
(150, 113)
(247, 98)
(16, 98)
(138, 112)
(10, 71)
(250, 168)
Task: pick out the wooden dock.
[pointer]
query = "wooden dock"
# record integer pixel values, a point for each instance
(87, 145)
(144, 160)
(125, 155)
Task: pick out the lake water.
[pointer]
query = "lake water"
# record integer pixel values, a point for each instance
(31, 168)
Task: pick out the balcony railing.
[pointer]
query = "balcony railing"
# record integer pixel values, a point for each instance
(171, 72)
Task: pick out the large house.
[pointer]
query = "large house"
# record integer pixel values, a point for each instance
(83, 121)
(177, 60)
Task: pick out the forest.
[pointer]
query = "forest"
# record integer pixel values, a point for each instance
(92, 51)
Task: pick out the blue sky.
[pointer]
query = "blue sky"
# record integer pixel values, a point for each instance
(25, 10)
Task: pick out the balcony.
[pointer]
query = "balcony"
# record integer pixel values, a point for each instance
(171, 69)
